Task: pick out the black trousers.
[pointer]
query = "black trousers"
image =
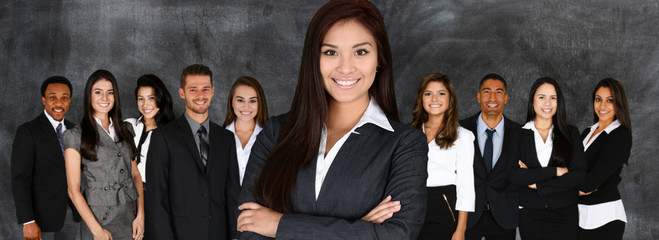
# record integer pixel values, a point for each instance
(489, 228)
(441, 217)
(612, 231)
(549, 224)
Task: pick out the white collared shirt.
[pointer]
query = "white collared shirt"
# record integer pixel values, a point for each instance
(242, 154)
(454, 166)
(543, 149)
(597, 215)
(111, 131)
(54, 122)
(373, 114)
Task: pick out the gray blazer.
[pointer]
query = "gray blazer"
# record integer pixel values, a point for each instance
(108, 181)
(369, 167)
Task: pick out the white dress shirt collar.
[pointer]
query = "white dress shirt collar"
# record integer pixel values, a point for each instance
(543, 149)
(615, 124)
(111, 131)
(242, 154)
(497, 138)
(54, 122)
(373, 114)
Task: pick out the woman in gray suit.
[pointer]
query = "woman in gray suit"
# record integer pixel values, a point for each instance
(100, 152)
(315, 172)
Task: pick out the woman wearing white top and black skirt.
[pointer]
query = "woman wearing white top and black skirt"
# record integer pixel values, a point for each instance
(247, 111)
(552, 167)
(450, 181)
(155, 106)
(607, 146)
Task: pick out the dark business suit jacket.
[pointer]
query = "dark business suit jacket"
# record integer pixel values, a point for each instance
(552, 191)
(38, 175)
(495, 187)
(369, 166)
(605, 158)
(185, 199)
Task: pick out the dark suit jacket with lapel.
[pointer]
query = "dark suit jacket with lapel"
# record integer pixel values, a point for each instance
(605, 158)
(186, 200)
(38, 175)
(369, 166)
(496, 187)
(552, 191)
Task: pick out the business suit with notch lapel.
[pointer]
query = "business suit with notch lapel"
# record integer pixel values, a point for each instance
(186, 199)
(550, 211)
(369, 166)
(38, 175)
(495, 188)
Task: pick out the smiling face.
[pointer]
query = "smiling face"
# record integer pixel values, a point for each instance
(146, 102)
(245, 103)
(604, 105)
(102, 98)
(348, 61)
(56, 100)
(197, 93)
(435, 99)
(492, 96)
(545, 101)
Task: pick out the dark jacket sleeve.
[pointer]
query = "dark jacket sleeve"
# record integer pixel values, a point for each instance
(22, 166)
(406, 182)
(576, 170)
(528, 176)
(157, 195)
(615, 153)
(232, 192)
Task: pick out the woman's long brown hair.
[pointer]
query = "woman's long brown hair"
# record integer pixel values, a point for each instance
(300, 137)
(449, 133)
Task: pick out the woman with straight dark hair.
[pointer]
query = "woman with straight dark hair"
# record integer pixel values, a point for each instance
(450, 183)
(607, 145)
(247, 111)
(315, 172)
(155, 106)
(551, 167)
(101, 152)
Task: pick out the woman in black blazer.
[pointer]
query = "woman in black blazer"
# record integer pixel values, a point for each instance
(551, 167)
(607, 144)
(317, 171)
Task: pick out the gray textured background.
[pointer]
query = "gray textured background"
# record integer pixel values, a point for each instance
(576, 42)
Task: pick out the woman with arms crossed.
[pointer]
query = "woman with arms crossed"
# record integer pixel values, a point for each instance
(450, 181)
(551, 167)
(316, 171)
(100, 151)
(608, 145)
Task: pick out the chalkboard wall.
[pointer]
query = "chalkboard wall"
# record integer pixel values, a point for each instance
(577, 42)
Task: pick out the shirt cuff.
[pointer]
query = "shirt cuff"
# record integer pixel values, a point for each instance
(28, 222)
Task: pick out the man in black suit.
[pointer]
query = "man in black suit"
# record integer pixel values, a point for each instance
(496, 149)
(190, 192)
(37, 167)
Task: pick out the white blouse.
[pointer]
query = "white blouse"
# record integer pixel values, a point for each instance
(543, 149)
(242, 154)
(597, 215)
(454, 166)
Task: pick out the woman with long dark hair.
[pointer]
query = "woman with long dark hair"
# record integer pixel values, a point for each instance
(607, 145)
(101, 152)
(551, 167)
(316, 171)
(450, 181)
(247, 111)
(155, 106)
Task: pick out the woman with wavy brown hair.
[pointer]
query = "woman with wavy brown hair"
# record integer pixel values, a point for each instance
(450, 183)
(322, 170)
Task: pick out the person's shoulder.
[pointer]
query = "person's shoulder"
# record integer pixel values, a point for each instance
(465, 134)
(132, 121)
(511, 123)
(471, 120)
(405, 131)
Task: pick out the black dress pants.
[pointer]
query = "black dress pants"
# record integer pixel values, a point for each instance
(549, 224)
